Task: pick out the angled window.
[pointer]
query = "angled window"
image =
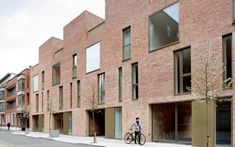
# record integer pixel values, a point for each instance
(135, 80)
(1, 95)
(101, 88)
(21, 83)
(21, 99)
(56, 74)
(35, 83)
(126, 43)
(74, 68)
(227, 58)
(182, 71)
(164, 27)
(120, 83)
(93, 57)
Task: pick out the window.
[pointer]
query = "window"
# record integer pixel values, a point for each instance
(13, 118)
(78, 93)
(43, 79)
(182, 71)
(71, 94)
(93, 58)
(101, 88)
(21, 100)
(56, 74)
(233, 9)
(1, 107)
(135, 93)
(164, 27)
(37, 103)
(120, 83)
(61, 97)
(21, 83)
(227, 58)
(35, 83)
(126, 43)
(11, 91)
(48, 100)
(74, 66)
(11, 104)
(42, 101)
(1, 95)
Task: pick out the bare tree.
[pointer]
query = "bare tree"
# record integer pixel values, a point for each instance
(51, 106)
(92, 103)
(207, 82)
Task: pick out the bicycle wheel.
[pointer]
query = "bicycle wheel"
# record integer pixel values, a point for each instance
(128, 138)
(142, 139)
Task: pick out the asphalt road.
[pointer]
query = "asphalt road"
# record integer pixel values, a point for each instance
(11, 140)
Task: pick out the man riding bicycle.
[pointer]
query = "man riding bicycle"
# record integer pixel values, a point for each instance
(137, 129)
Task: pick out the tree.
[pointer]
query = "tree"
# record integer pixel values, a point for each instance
(92, 102)
(23, 115)
(51, 106)
(207, 82)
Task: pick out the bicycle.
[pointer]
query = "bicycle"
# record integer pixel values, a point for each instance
(129, 137)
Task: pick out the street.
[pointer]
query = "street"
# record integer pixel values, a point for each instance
(10, 140)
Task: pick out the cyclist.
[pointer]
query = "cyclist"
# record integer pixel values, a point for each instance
(137, 128)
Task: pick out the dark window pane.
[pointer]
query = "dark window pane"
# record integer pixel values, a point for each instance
(186, 61)
(164, 27)
(126, 43)
(227, 47)
(186, 84)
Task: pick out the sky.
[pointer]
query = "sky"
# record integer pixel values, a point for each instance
(27, 24)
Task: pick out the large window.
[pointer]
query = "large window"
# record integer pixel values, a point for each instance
(35, 83)
(78, 93)
(126, 43)
(56, 74)
(120, 83)
(21, 100)
(135, 93)
(74, 68)
(21, 83)
(61, 97)
(101, 88)
(182, 71)
(227, 57)
(164, 27)
(93, 57)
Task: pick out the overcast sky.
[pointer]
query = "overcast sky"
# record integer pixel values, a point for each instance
(26, 24)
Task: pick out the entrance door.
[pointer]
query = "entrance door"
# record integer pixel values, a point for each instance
(118, 123)
(223, 123)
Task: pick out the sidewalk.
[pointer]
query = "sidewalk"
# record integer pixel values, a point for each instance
(101, 141)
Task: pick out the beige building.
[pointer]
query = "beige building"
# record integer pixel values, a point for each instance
(136, 62)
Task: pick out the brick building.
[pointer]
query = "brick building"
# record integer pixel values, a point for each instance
(16, 93)
(3, 82)
(136, 62)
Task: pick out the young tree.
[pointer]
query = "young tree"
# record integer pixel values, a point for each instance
(92, 103)
(23, 115)
(207, 82)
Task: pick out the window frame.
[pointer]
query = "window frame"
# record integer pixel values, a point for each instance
(101, 96)
(182, 75)
(74, 65)
(170, 44)
(135, 86)
(126, 45)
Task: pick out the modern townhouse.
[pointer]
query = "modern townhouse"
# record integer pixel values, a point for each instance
(3, 82)
(139, 61)
(17, 100)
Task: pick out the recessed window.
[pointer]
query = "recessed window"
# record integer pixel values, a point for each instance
(227, 58)
(56, 74)
(93, 58)
(71, 94)
(135, 80)
(164, 27)
(35, 83)
(48, 100)
(37, 103)
(126, 43)
(182, 71)
(60, 97)
(120, 83)
(43, 79)
(74, 68)
(78, 93)
(233, 10)
(101, 88)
